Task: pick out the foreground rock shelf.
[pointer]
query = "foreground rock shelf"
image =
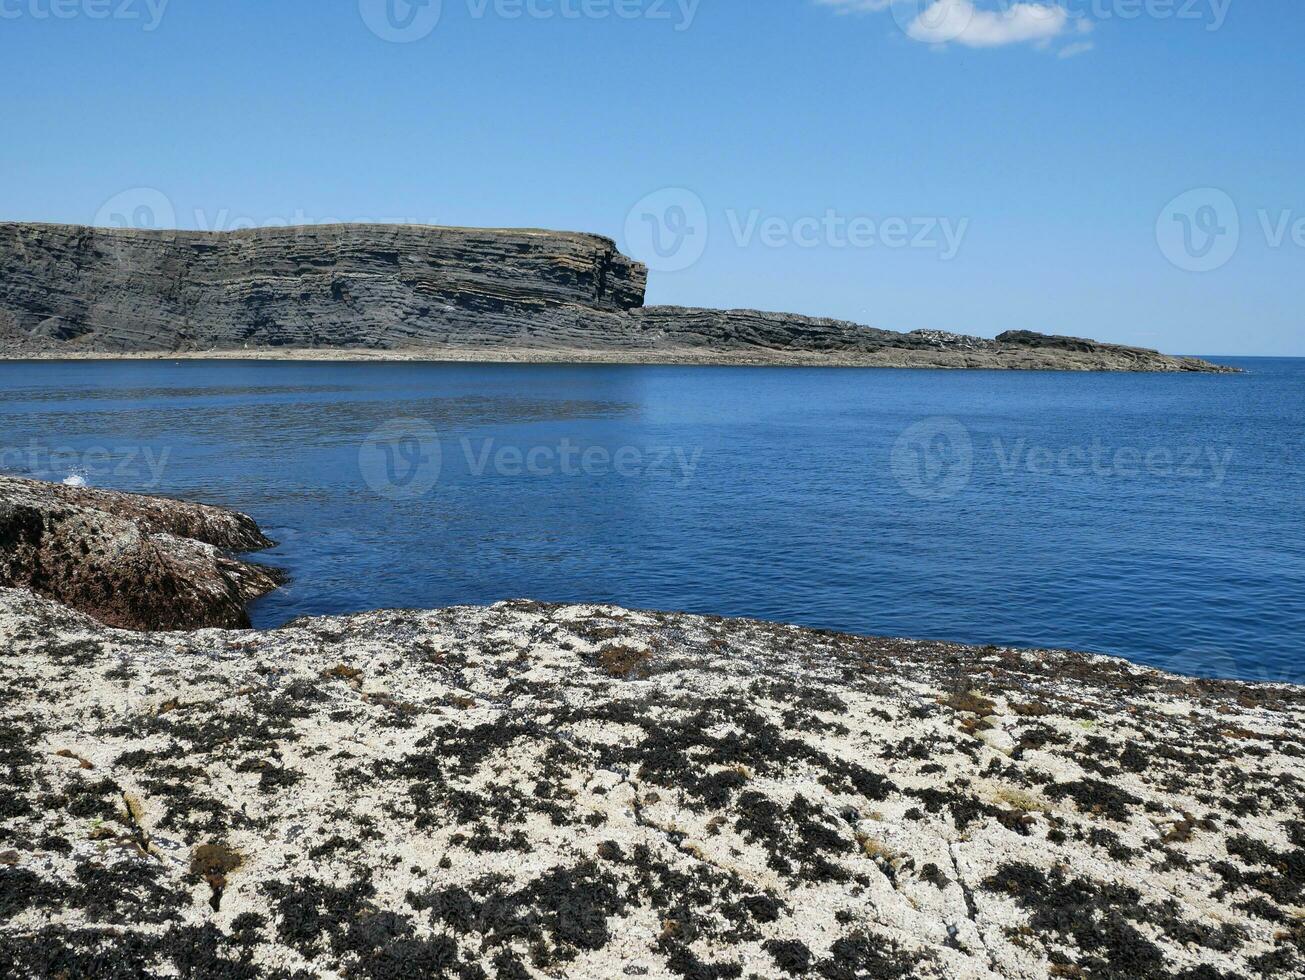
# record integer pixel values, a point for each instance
(420, 292)
(533, 790)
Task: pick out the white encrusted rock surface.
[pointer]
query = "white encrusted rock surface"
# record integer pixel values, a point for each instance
(531, 790)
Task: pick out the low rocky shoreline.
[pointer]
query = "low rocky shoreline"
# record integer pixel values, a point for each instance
(531, 790)
(996, 359)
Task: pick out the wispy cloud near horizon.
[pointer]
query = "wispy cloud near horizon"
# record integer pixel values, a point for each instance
(1075, 49)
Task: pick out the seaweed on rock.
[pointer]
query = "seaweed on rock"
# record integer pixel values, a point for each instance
(483, 793)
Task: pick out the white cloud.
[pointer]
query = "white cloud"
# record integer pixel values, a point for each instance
(944, 21)
(1075, 49)
(999, 23)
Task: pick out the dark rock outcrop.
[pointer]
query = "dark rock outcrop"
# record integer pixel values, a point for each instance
(382, 286)
(427, 292)
(799, 339)
(540, 791)
(140, 563)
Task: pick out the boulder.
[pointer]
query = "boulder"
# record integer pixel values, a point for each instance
(140, 563)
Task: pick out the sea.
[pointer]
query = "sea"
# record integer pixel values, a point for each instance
(1154, 517)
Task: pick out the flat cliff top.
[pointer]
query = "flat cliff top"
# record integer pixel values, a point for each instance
(378, 229)
(535, 790)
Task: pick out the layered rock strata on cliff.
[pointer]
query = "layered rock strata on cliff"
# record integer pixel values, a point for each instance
(541, 791)
(434, 292)
(787, 337)
(314, 286)
(141, 563)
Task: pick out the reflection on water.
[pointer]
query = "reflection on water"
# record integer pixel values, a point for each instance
(1155, 517)
(133, 396)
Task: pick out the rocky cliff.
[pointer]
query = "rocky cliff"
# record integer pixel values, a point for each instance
(383, 286)
(414, 291)
(541, 791)
(130, 561)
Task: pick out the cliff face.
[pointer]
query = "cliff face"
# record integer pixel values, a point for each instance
(315, 286)
(436, 293)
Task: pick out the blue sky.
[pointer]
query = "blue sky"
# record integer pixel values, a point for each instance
(1124, 169)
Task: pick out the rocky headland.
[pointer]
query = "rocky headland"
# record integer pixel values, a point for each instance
(530, 790)
(420, 292)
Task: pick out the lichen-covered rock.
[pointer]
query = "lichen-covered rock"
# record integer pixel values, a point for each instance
(130, 561)
(441, 293)
(531, 790)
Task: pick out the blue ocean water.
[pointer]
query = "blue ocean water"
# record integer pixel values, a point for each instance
(1150, 516)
